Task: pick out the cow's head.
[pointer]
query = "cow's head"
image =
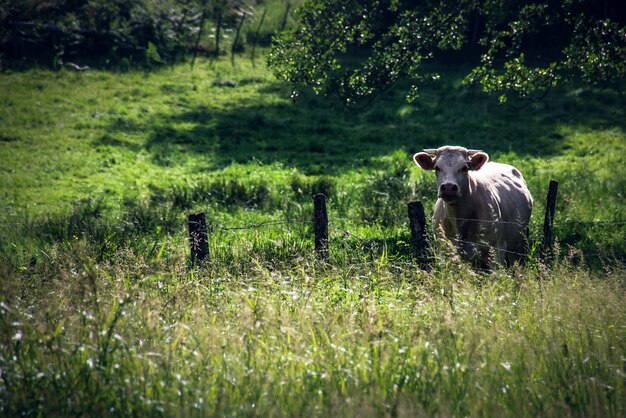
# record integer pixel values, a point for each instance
(451, 165)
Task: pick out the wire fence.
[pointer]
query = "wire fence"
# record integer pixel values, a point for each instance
(305, 221)
(486, 247)
(366, 221)
(479, 247)
(359, 219)
(421, 232)
(218, 227)
(472, 245)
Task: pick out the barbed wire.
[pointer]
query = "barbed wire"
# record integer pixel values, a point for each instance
(332, 223)
(485, 246)
(490, 221)
(214, 226)
(566, 221)
(217, 226)
(573, 221)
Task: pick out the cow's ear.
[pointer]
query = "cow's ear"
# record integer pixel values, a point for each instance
(477, 160)
(424, 160)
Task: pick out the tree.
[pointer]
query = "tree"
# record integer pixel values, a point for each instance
(357, 49)
(144, 32)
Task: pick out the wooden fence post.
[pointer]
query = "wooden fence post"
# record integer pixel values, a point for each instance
(419, 233)
(198, 239)
(320, 220)
(548, 223)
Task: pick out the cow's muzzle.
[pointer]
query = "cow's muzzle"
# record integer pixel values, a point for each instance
(449, 192)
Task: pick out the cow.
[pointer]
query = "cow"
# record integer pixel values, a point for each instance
(483, 207)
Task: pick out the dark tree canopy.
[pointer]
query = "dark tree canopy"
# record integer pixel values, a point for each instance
(358, 48)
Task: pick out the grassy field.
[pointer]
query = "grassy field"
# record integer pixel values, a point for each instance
(100, 313)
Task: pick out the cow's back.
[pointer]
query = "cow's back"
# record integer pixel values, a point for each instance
(504, 186)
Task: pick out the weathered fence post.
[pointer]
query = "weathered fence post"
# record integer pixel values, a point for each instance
(546, 242)
(419, 233)
(320, 220)
(198, 239)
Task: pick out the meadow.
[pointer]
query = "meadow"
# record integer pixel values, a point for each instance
(102, 314)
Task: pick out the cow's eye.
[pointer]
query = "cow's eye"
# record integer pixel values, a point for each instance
(463, 169)
(437, 169)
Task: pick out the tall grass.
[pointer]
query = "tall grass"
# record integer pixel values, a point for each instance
(375, 339)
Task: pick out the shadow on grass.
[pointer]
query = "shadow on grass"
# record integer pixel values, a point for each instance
(318, 139)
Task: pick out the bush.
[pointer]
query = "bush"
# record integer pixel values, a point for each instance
(96, 31)
(120, 33)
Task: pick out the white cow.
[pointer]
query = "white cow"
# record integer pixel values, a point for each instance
(481, 205)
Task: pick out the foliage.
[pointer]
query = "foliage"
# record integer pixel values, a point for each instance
(358, 49)
(106, 31)
(120, 34)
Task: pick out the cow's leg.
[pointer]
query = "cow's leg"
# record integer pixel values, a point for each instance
(480, 255)
(469, 251)
(502, 253)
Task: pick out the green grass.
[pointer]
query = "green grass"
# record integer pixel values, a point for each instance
(101, 314)
(379, 339)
